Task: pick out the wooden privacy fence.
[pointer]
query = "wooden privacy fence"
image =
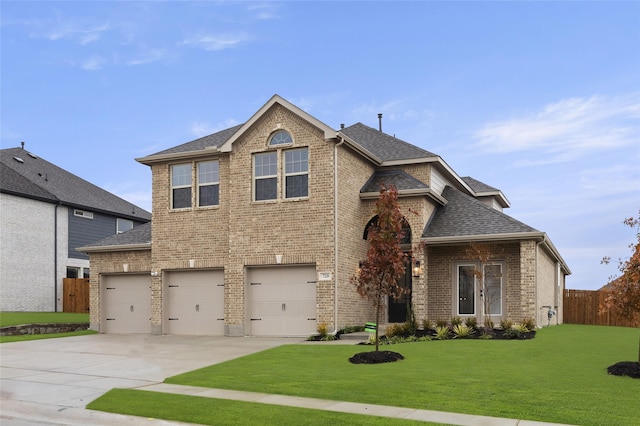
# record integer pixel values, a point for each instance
(75, 295)
(583, 307)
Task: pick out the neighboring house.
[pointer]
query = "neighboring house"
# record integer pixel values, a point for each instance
(258, 228)
(45, 214)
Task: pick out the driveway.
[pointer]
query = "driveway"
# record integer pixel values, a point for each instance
(51, 381)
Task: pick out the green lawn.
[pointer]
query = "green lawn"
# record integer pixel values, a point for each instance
(18, 318)
(560, 376)
(210, 411)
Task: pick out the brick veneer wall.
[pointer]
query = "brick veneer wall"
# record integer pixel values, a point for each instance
(519, 282)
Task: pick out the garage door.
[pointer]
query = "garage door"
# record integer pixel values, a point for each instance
(126, 304)
(282, 301)
(194, 303)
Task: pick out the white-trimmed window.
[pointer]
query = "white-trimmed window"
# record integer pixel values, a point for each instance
(265, 176)
(181, 186)
(296, 173)
(123, 225)
(281, 137)
(83, 213)
(492, 291)
(209, 183)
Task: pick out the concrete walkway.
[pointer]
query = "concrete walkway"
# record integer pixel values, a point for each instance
(49, 382)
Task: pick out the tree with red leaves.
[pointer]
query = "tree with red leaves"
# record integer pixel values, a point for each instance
(623, 292)
(386, 262)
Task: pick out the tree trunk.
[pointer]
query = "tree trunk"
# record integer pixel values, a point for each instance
(377, 324)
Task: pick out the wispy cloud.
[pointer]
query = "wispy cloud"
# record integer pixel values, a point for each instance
(81, 34)
(263, 11)
(216, 42)
(201, 128)
(567, 129)
(93, 63)
(148, 56)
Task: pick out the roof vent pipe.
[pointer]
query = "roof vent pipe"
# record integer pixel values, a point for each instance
(380, 122)
(22, 145)
(342, 126)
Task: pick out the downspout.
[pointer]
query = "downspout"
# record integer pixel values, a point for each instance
(335, 237)
(55, 257)
(536, 280)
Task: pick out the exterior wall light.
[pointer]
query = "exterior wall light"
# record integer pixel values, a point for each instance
(417, 268)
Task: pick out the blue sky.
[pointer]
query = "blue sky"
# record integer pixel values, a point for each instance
(539, 99)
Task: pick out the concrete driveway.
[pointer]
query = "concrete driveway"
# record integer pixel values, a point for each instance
(51, 381)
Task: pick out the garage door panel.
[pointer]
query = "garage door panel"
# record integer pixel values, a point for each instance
(126, 304)
(195, 302)
(282, 301)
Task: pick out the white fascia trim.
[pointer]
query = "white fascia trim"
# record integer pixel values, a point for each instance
(121, 247)
(536, 235)
(176, 156)
(426, 192)
(505, 202)
(358, 148)
(329, 133)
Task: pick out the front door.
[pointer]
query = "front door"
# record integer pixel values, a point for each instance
(479, 291)
(399, 308)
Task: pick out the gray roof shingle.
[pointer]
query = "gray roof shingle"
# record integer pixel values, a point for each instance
(465, 216)
(36, 178)
(382, 145)
(398, 178)
(214, 140)
(478, 186)
(138, 235)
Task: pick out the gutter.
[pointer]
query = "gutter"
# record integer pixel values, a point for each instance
(177, 156)
(335, 235)
(427, 192)
(118, 247)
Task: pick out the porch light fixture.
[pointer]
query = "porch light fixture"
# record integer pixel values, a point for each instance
(417, 268)
(359, 269)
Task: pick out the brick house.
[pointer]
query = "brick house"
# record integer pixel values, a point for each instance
(258, 228)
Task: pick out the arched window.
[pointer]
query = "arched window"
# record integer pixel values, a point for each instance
(280, 137)
(406, 230)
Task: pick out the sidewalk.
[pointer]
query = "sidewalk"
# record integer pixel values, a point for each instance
(344, 407)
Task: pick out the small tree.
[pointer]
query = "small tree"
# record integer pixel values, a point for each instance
(623, 292)
(482, 254)
(386, 262)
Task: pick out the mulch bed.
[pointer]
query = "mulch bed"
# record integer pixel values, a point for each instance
(625, 368)
(374, 357)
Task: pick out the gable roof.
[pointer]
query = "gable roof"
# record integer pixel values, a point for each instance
(481, 189)
(402, 180)
(137, 238)
(213, 141)
(463, 216)
(382, 146)
(27, 175)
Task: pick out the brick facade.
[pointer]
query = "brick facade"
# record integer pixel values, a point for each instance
(241, 233)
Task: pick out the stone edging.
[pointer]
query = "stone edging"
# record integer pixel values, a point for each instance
(21, 330)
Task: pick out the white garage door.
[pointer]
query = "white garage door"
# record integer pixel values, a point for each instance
(126, 304)
(194, 303)
(282, 301)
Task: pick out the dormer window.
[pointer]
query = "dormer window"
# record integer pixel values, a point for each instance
(280, 138)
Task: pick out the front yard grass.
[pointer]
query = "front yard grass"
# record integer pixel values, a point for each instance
(560, 376)
(18, 318)
(211, 411)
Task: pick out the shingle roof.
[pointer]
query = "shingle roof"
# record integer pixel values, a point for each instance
(398, 178)
(34, 177)
(138, 235)
(214, 140)
(382, 145)
(478, 186)
(465, 216)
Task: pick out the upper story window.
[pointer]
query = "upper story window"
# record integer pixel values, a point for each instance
(265, 175)
(181, 186)
(296, 172)
(83, 213)
(208, 183)
(281, 137)
(123, 225)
